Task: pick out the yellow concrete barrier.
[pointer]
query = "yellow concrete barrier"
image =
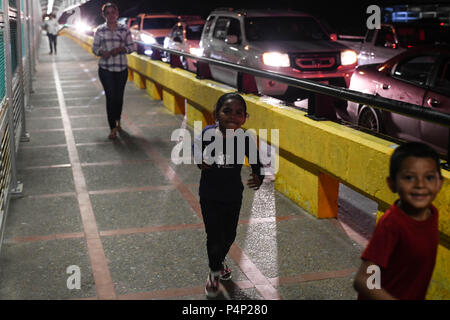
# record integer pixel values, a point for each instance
(313, 156)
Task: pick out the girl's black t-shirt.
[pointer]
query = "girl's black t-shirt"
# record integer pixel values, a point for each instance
(223, 181)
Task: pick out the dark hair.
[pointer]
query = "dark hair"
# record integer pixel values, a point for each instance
(109, 5)
(412, 149)
(225, 97)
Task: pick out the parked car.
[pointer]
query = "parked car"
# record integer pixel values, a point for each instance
(126, 21)
(287, 42)
(391, 39)
(150, 29)
(185, 37)
(419, 76)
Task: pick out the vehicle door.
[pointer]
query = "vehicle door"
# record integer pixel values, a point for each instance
(233, 51)
(408, 83)
(385, 45)
(135, 28)
(218, 49)
(130, 22)
(365, 55)
(438, 98)
(171, 41)
(206, 38)
(168, 41)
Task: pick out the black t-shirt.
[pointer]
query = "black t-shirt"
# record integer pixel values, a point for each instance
(223, 181)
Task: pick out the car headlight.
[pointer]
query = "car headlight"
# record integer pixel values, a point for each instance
(276, 59)
(348, 57)
(82, 27)
(196, 51)
(148, 39)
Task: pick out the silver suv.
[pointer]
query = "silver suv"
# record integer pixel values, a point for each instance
(287, 42)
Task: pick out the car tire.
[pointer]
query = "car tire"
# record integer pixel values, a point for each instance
(370, 119)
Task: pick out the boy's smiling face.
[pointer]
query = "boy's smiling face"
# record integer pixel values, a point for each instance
(417, 184)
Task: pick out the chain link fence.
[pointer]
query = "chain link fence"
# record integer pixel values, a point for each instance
(19, 34)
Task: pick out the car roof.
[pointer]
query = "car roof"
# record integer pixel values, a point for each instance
(188, 17)
(262, 12)
(444, 48)
(157, 15)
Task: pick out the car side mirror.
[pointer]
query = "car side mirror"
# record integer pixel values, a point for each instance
(177, 39)
(231, 39)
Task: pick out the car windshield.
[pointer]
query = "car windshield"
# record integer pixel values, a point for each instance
(283, 29)
(421, 35)
(194, 32)
(159, 23)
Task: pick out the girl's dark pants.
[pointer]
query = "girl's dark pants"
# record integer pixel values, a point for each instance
(114, 86)
(221, 220)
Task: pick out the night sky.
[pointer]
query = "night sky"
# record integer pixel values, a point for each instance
(344, 16)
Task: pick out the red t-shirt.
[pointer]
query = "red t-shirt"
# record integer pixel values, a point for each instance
(405, 250)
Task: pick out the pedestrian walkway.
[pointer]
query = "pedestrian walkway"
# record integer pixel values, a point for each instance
(130, 219)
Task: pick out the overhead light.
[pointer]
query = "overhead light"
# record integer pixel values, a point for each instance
(50, 6)
(81, 2)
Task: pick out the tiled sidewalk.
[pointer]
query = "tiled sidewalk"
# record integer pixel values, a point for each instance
(130, 219)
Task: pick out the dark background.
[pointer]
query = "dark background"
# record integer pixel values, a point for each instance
(344, 16)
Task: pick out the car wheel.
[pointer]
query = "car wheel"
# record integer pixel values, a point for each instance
(370, 119)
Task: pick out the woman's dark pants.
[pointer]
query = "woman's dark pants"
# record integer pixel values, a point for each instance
(52, 42)
(221, 220)
(114, 86)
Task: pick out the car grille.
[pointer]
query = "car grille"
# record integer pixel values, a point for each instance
(315, 62)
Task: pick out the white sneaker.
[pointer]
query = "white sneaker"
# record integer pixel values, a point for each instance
(212, 285)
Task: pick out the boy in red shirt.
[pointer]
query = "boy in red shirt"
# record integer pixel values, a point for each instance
(403, 247)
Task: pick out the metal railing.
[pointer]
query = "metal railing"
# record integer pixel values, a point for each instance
(315, 88)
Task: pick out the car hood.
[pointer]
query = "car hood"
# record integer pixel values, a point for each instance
(298, 46)
(368, 67)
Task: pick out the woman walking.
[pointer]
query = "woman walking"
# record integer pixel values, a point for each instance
(112, 42)
(52, 26)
